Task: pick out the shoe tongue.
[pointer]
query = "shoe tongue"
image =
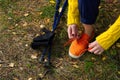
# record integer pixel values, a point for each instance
(85, 36)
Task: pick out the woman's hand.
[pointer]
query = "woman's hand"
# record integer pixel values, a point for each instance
(72, 31)
(95, 48)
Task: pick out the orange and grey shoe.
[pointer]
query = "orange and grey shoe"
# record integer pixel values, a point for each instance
(79, 46)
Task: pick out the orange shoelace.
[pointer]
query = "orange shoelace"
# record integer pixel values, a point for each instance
(69, 41)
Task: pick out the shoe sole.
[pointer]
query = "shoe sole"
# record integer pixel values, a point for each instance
(73, 56)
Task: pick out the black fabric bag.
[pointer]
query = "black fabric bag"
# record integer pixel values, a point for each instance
(43, 40)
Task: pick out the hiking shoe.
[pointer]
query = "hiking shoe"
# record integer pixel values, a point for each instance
(79, 46)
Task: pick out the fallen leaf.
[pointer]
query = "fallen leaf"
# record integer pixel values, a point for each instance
(42, 26)
(26, 45)
(14, 33)
(41, 13)
(25, 24)
(47, 21)
(104, 58)
(60, 9)
(34, 56)
(52, 2)
(118, 72)
(29, 78)
(21, 68)
(15, 78)
(76, 66)
(26, 14)
(0, 65)
(118, 45)
(16, 24)
(9, 18)
(115, 10)
(11, 65)
(61, 67)
(93, 59)
(100, 7)
(41, 75)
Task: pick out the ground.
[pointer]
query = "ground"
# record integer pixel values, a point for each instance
(21, 21)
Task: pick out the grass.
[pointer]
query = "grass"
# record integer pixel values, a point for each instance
(47, 11)
(18, 30)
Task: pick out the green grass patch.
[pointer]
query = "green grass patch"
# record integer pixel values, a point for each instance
(47, 11)
(88, 66)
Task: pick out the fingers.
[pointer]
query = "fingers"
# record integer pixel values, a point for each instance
(72, 31)
(95, 48)
(69, 32)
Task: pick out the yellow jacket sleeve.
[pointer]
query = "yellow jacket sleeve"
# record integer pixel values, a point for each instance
(73, 13)
(109, 37)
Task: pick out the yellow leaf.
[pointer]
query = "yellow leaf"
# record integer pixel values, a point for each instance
(16, 24)
(37, 35)
(104, 58)
(42, 26)
(11, 65)
(93, 59)
(76, 66)
(47, 20)
(15, 78)
(41, 13)
(14, 33)
(9, 18)
(29, 78)
(41, 75)
(60, 9)
(25, 24)
(118, 72)
(100, 7)
(0, 65)
(52, 2)
(26, 45)
(21, 68)
(26, 14)
(118, 45)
